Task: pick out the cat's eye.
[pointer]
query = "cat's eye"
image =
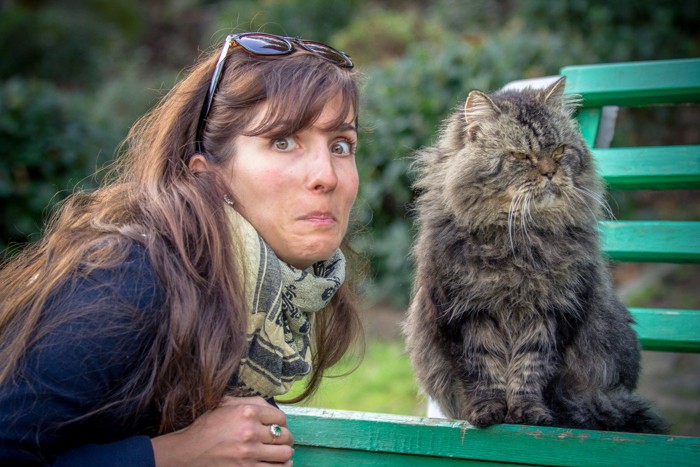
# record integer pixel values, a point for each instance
(558, 151)
(520, 155)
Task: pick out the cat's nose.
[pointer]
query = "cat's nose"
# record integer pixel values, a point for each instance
(547, 168)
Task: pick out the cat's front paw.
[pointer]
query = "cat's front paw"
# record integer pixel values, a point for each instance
(486, 412)
(529, 412)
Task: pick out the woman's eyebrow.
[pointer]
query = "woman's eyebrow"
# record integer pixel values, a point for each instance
(347, 127)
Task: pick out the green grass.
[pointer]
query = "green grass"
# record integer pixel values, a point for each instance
(383, 383)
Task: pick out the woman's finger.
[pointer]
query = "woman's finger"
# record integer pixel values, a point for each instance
(276, 434)
(231, 400)
(256, 407)
(274, 453)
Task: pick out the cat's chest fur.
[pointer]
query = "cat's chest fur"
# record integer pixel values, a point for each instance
(490, 273)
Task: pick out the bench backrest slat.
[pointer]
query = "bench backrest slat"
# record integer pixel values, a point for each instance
(666, 167)
(652, 241)
(668, 330)
(635, 83)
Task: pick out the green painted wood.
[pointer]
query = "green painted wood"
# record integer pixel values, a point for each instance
(406, 440)
(635, 83)
(335, 457)
(668, 330)
(589, 122)
(657, 167)
(651, 241)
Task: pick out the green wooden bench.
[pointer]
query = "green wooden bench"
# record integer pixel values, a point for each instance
(342, 438)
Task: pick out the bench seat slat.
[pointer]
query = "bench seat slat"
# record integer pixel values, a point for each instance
(652, 241)
(339, 435)
(656, 167)
(668, 330)
(635, 83)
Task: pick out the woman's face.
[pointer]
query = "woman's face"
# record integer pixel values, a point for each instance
(297, 191)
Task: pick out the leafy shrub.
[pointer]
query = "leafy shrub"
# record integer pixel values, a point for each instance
(53, 44)
(316, 20)
(622, 31)
(48, 146)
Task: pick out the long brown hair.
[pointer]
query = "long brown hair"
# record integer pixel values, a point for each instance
(151, 197)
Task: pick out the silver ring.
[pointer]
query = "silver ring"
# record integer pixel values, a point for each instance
(276, 431)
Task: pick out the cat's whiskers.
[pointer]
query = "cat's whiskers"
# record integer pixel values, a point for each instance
(599, 200)
(574, 199)
(583, 195)
(512, 212)
(526, 214)
(529, 213)
(520, 211)
(595, 213)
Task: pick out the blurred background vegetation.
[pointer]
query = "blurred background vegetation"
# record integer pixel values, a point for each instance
(75, 74)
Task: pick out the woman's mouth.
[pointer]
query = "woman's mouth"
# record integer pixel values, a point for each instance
(318, 217)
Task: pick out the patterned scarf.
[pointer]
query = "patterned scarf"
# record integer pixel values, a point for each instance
(282, 301)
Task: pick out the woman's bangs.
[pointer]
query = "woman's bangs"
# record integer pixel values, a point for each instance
(295, 103)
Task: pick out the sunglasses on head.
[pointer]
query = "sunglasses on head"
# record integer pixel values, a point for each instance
(263, 45)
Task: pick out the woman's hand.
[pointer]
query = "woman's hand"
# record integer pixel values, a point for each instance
(235, 433)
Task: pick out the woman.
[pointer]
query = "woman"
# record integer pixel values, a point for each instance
(160, 315)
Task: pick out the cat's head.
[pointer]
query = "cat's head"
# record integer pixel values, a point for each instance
(517, 157)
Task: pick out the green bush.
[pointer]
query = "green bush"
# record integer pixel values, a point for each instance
(622, 31)
(316, 20)
(71, 82)
(56, 49)
(48, 147)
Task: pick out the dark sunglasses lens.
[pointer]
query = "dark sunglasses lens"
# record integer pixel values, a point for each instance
(327, 52)
(263, 44)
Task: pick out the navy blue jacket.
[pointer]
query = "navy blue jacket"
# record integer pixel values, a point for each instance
(74, 367)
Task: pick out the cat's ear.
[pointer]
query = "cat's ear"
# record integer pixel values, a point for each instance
(479, 107)
(554, 93)
(554, 96)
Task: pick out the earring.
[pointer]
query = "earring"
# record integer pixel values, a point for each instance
(228, 200)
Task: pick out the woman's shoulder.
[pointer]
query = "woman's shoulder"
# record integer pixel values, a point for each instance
(129, 282)
(133, 280)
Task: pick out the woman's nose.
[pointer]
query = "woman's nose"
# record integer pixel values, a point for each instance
(322, 173)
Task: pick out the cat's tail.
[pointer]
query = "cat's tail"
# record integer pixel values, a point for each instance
(613, 410)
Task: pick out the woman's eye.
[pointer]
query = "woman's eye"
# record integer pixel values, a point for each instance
(342, 148)
(284, 144)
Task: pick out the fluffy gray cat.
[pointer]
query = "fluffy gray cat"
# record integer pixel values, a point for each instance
(513, 317)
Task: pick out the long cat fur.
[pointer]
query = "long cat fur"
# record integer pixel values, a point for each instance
(513, 317)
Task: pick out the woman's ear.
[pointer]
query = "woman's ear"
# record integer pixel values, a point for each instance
(198, 163)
